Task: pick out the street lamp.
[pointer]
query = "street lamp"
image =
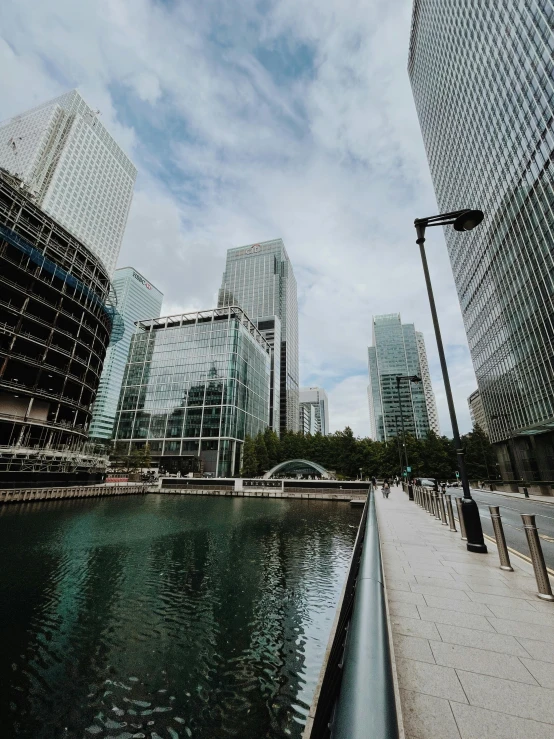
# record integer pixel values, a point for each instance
(399, 378)
(462, 220)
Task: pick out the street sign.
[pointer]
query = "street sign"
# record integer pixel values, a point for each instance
(405, 474)
(408, 469)
(457, 474)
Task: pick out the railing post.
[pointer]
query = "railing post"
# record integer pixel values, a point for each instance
(500, 538)
(437, 505)
(443, 509)
(461, 518)
(451, 520)
(537, 557)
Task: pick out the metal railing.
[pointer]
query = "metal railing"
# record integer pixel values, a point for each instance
(356, 700)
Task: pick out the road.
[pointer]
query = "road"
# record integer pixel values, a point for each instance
(511, 510)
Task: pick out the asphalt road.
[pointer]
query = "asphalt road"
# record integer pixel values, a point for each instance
(510, 511)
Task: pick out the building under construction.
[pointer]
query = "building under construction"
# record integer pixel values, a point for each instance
(57, 313)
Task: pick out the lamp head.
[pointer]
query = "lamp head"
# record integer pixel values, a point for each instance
(467, 220)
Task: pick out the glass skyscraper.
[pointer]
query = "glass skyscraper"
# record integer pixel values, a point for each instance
(259, 278)
(195, 385)
(314, 411)
(137, 299)
(74, 170)
(482, 76)
(397, 351)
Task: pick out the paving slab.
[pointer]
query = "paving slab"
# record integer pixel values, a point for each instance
(473, 645)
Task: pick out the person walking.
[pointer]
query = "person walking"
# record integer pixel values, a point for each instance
(386, 487)
(374, 482)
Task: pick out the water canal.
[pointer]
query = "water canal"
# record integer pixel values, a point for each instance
(167, 616)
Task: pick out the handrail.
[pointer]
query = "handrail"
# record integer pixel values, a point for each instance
(356, 700)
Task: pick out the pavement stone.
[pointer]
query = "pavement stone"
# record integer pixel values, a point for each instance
(474, 647)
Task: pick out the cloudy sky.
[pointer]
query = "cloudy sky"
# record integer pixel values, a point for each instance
(250, 120)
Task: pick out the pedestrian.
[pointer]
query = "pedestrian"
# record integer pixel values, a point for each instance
(386, 487)
(374, 482)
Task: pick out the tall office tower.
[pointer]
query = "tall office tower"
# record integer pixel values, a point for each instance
(195, 385)
(482, 79)
(314, 411)
(259, 279)
(477, 411)
(396, 352)
(73, 169)
(137, 299)
(430, 399)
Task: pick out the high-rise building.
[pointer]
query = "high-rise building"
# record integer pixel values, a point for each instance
(477, 411)
(73, 169)
(56, 318)
(430, 399)
(195, 385)
(137, 299)
(314, 411)
(259, 278)
(397, 352)
(482, 79)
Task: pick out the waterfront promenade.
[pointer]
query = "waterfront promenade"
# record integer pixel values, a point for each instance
(473, 645)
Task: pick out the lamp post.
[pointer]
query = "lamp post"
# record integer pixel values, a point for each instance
(462, 220)
(399, 378)
(399, 447)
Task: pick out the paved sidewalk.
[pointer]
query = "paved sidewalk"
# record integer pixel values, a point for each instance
(473, 645)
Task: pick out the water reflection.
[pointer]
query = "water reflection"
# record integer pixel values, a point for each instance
(166, 616)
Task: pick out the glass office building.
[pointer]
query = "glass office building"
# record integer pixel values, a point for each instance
(74, 170)
(314, 411)
(259, 278)
(137, 299)
(195, 385)
(482, 76)
(396, 353)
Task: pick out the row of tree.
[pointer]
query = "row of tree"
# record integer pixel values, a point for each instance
(349, 456)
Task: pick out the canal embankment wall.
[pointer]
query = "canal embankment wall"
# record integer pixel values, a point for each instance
(25, 495)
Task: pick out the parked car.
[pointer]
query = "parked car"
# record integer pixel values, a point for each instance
(427, 482)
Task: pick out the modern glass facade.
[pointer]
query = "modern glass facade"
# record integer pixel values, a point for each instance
(137, 299)
(396, 353)
(477, 412)
(314, 411)
(195, 385)
(482, 76)
(259, 278)
(74, 169)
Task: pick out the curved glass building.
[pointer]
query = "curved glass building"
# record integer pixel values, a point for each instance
(56, 319)
(482, 76)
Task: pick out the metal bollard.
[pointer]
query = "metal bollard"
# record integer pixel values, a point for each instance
(500, 539)
(537, 557)
(431, 503)
(443, 509)
(450, 513)
(461, 519)
(437, 505)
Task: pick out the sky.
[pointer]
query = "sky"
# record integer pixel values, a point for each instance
(255, 120)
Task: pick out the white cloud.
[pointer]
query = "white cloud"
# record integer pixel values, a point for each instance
(296, 123)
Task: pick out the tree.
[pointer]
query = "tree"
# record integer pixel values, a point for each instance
(272, 446)
(480, 456)
(262, 457)
(249, 458)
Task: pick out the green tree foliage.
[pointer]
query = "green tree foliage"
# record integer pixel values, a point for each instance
(479, 454)
(262, 457)
(345, 454)
(249, 459)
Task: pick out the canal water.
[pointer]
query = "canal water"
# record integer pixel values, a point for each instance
(166, 616)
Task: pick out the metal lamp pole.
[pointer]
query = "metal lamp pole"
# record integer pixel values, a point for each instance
(399, 447)
(462, 220)
(399, 378)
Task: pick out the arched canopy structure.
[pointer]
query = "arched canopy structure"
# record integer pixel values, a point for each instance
(297, 467)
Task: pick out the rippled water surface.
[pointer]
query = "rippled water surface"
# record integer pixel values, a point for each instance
(166, 616)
